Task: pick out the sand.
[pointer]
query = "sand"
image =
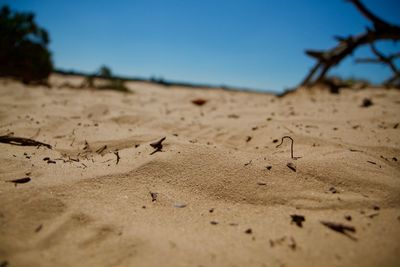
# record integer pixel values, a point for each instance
(207, 198)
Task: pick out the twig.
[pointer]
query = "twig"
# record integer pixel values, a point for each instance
(101, 149)
(291, 146)
(20, 180)
(118, 157)
(157, 145)
(86, 145)
(341, 228)
(20, 141)
(154, 196)
(73, 140)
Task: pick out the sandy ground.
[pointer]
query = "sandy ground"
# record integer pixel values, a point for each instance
(215, 201)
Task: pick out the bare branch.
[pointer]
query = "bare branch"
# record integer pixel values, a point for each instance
(384, 59)
(367, 60)
(378, 22)
(346, 46)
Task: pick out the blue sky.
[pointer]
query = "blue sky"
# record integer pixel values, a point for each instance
(246, 43)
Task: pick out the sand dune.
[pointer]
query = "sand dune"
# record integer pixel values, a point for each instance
(222, 193)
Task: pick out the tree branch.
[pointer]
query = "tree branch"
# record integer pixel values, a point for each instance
(376, 21)
(346, 46)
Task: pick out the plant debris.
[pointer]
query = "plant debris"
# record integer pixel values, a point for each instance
(199, 101)
(153, 196)
(39, 228)
(291, 166)
(348, 217)
(298, 219)
(249, 231)
(333, 190)
(179, 205)
(86, 145)
(261, 183)
(20, 180)
(101, 149)
(366, 103)
(248, 163)
(292, 244)
(157, 145)
(20, 141)
(291, 146)
(372, 215)
(48, 160)
(233, 116)
(118, 157)
(375, 207)
(340, 228)
(278, 241)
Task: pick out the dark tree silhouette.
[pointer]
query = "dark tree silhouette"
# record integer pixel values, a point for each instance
(23, 47)
(105, 72)
(380, 30)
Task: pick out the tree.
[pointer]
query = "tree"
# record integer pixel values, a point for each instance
(23, 47)
(105, 72)
(380, 30)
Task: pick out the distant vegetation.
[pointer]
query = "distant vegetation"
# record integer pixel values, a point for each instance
(112, 82)
(23, 47)
(24, 55)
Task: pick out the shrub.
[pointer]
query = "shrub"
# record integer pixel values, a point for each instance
(105, 72)
(112, 82)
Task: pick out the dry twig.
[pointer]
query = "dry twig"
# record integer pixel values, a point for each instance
(291, 146)
(20, 141)
(157, 145)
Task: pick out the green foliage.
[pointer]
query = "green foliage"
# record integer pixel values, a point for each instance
(23, 47)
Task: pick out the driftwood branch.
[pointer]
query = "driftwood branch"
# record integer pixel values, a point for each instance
(328, 59)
